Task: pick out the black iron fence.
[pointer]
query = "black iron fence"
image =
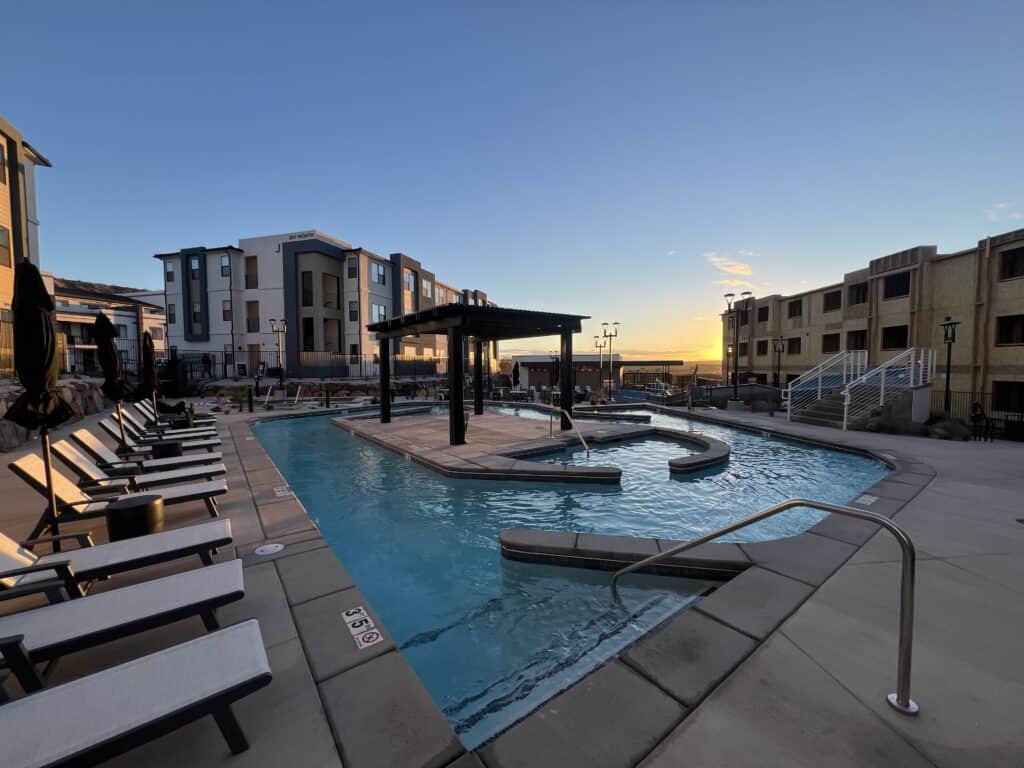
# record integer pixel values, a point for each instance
(1008, 419)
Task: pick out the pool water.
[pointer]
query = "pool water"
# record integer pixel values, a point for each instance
(491, 638)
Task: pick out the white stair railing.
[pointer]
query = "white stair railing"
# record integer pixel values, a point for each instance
(832, 375)
(910, 369)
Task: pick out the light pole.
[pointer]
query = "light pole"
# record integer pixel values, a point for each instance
(780, 345)
(949, 336)
(608, 336)
(734, 313)
(599, 346)
(279, 329)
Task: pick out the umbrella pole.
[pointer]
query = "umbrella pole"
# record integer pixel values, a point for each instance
(120, 421)
(44, 435)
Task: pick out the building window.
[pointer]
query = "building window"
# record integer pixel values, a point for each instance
(197, 313)
(1008, 396)
(307, 288)
(252, 272)
(744, 315)
(858, 294)
(796, 308)
(157, 333)
(169, 272)
(830, 343)
(307, 334)
(193, 268)
(330, 286)
(897, 285)
(832, 301)
(225, 310)
(894, 337)
(762, 314)
(225, 265)
(1011, 264)
(353, 311)
(229, 355)
(856, 340)
(762, 347)
(171, 319)
(378, 274)
(252, 316)
(743, 349)
(428, 289)
(353, 351)
(409, 278)
(5, 247)
(378, 313)
(121, 330)
(1010, 329)
(3, 165)
(793, 346)
(353, 269)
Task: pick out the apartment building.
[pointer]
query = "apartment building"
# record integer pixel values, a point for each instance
(227, 301)
(896, 302)
(19, 220)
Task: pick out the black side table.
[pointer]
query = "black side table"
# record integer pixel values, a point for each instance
(166, 449)
(135, 515)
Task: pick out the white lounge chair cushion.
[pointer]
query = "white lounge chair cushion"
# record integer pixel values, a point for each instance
(13, 555)
(58, 723)
(60, 622)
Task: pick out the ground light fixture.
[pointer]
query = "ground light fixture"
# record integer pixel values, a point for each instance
(949, 327)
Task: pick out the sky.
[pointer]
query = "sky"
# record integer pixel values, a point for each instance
(630, 161)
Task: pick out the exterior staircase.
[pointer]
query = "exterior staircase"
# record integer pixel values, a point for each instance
(826, 412)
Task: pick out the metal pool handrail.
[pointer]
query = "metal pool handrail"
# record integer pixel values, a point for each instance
(900, 701)
(551, 425)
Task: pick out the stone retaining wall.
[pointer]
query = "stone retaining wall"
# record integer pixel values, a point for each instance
(83, 394)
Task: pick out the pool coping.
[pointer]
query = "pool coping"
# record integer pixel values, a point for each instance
(497, 465)
(763, 583)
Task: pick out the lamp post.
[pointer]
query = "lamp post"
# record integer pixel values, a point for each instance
(599, 346)
(734, 313)
(780, 345)
(608, 336)
(279, 329)
(949, 336)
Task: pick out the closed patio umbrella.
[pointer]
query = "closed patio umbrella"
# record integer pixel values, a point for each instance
(35, 359)
(148, 388)
(515, 374)
(114, 386)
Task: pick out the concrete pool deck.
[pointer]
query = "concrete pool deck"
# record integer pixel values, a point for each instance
(811, 694)
(498, 446)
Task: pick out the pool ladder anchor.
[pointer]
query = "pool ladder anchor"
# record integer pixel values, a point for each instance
(900, 700)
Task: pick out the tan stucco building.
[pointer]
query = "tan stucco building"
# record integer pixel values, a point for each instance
(899, 301)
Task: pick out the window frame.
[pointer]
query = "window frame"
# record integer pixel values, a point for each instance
(225, 310)
(838, 293)
(254, 283)
(378, 273)
(378, 313)
(850, 347)
(761, 349)
(225, 265)
(1004, 401)
(3, 164)
(306, 288)
(248, 318)
(1016, 325)
(195, 268)
(906, 338)
(766, 311)
(799, 304)
(838, 336)
(172, 315)
(886, 295)
(353, 269)
(169, 272)
(5, 234)
(1018, 260)
(353, 311)
(794, 345)
(857, 294)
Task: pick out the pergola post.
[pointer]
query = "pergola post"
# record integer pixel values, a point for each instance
(478, 377)
(385, 381)
(456, 383)
(567, 389)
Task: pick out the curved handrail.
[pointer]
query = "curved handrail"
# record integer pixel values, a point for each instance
(900, 701)
(551, 423)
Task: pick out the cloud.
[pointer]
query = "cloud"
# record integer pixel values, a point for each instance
(672, 253)
(732, 282)
(1004, 211)
(728, 265)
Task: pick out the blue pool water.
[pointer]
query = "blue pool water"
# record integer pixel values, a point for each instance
(490, 638)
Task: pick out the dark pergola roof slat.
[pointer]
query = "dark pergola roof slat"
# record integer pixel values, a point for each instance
(490, 323)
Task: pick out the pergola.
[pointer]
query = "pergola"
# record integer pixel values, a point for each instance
(482, 324)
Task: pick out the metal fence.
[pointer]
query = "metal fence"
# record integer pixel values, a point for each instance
(1009, 421)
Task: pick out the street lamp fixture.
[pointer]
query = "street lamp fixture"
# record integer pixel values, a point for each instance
(780, 347)
(600, 346)
(949, 337)
(279, 328)
(608, 335)
(732, 310)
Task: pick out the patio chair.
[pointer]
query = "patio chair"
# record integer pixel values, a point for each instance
(109, 460)
(94, 718)
(144, 434)
(72, 570)
(91, 476)
(147, 407)
(55, 630)
(75, 504)
(140, 448)
(145, 410)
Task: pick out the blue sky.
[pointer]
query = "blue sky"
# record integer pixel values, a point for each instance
(614, 159)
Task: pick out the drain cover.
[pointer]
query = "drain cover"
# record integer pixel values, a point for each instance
(269, 549)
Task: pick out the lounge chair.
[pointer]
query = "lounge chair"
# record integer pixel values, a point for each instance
(55, 630)
(94, 718)
(147, 408)
(91, 476)
(144, 434)
(72, 570)
(139, 448)
(74, 504)
(110, 461)
(146, 414)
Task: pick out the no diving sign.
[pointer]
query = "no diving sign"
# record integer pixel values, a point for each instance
(363, 630)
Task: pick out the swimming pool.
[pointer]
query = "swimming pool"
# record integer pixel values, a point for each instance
(490, 638)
